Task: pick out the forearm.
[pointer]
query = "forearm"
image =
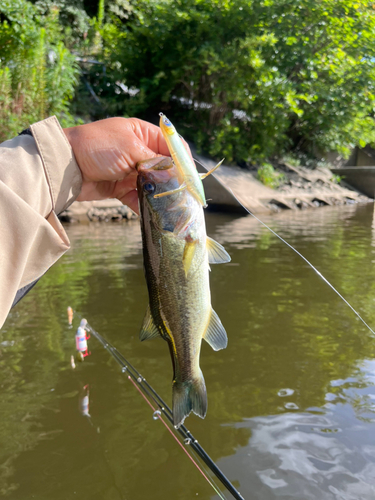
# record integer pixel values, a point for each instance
(39, 178)
(42, 175)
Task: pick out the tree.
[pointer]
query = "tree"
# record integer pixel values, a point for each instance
(248, 79)
(38, 74)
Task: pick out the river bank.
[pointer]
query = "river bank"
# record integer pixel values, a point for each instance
(303, 188)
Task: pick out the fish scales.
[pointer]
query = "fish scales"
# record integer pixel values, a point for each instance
(181, 322)
(176, 263)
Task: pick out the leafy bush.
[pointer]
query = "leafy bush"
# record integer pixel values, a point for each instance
(72, 18)
(269, 177)
(37, 72)
(246, 79)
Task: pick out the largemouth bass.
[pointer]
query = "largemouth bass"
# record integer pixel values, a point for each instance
(191, 179)
(177, 254)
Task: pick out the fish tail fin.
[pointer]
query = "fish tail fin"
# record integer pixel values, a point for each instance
(189, 396)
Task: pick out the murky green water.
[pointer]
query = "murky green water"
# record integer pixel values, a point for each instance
(291, 400)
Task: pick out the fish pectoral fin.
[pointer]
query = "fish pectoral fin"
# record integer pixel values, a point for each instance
(187, 258)
(216, 252)
(167, 193)
(149, 330)
(203, 176)
(215, 335)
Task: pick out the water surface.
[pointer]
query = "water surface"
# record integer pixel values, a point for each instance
(291, 400)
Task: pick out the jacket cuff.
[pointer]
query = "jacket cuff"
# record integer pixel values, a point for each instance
(60, 166)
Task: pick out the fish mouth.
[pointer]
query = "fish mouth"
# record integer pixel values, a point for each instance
(159, 170)
(156, 164)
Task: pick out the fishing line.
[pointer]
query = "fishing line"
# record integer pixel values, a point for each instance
(136, 379)
(296, 251)
(158, 415)
(147, 390)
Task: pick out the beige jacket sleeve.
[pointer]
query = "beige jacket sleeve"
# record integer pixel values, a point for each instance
(39, 178)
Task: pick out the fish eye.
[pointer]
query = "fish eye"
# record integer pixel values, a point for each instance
(149, 187)
(167, 122)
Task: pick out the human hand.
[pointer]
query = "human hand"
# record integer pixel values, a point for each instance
(107, 152)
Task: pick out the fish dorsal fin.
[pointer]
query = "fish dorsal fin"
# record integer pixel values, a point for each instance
(189, 251)
(215, 335)
(216, 252)
(149, 330)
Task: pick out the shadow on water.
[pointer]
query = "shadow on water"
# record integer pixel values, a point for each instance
(291, 400)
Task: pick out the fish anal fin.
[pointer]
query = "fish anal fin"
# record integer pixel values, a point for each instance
(189, 251)
(215, 334)
(216, 252)
(149, 330)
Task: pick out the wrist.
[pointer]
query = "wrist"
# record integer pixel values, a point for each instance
(70, 134)
(60, 166)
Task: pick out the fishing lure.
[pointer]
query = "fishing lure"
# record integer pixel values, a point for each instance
(190, 178)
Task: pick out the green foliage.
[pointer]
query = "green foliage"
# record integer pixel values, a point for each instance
(244, 80)
(337, 178)
(247, 79)
(72, 18)
(269, 177)
(293, 160)
(37, 72)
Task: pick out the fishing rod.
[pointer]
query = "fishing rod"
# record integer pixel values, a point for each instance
(146, 390)
(292, 248)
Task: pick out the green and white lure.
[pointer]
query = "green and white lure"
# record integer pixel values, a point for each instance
(189, 177)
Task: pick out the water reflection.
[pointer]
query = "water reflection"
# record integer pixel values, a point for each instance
(84, 401)
(325, 453)
(291, 400)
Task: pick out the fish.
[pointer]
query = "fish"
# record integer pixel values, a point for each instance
(192, 180)
(177, 253)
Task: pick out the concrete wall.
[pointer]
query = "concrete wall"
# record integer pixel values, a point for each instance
(363, 159)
